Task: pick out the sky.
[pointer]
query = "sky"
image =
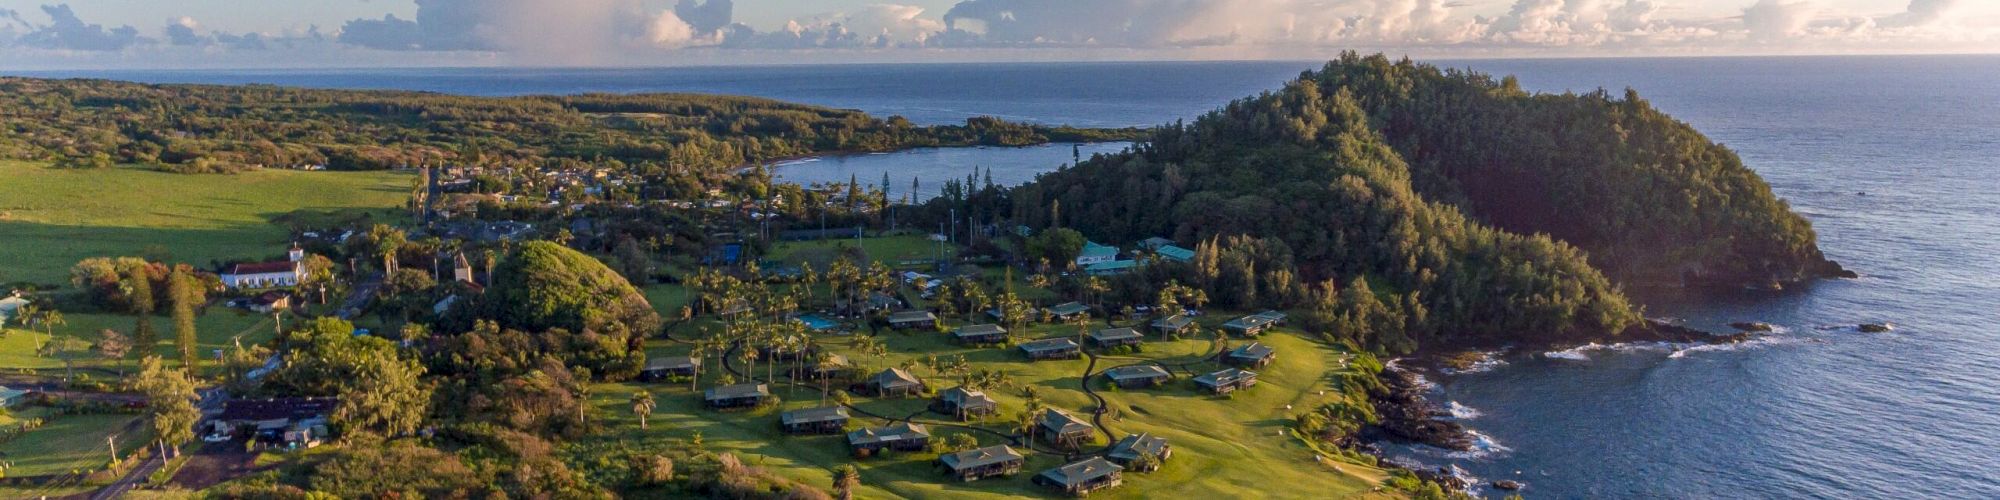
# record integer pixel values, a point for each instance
(158, 34)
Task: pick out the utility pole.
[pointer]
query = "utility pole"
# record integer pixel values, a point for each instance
(953, 235)
(112, 442)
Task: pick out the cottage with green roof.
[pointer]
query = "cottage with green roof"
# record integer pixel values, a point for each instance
(1111, 268)
(1094, 253)
(1068, 310)
(1175, 254)
(823, 420)
(1249, 326)
(1130, 451)
(736, 396)
(1081, 478)
(895, 383)
(1113, 337)
(991, 461)
(980, 334)
(1136, 376)
(663, 367)
(1055, 348)
(899, 436)
(905, 320)
(1172, 324)
(1254, 355)
(1061, 429)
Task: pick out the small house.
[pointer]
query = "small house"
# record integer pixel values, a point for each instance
(284, 422)
(1111, 268)
(263, 275)
(912, 319)
(823, 420)
(1226, 381)
(980, 334)
(1254, 355)
(1274, 317)
(665, 367)
(1136, 376)
(973, 465)
(1174, 253)
(1055, 348)
(963, 403)
(736, 396)
(1094, 253)
(1128, 451)
(899, 436)
(895, 383)
(1172, 324)
(829, 366)
(10, 396)
(1062, 429)
(271, 301)
(1081, 478)
(1067, 311)
(1249, 326)
(1114, 337)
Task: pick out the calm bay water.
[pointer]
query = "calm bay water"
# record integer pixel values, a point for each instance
(1817, 410)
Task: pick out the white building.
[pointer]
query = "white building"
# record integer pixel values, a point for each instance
(267, 274)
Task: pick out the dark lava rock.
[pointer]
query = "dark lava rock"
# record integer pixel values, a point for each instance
(1507, 485)
(1752, 326)
(1876, 327)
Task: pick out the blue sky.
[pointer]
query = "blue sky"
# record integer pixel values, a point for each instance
(38, 34)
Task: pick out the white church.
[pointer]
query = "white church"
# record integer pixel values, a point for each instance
(278, 274)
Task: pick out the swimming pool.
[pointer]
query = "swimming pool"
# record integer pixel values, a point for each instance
(817, 322)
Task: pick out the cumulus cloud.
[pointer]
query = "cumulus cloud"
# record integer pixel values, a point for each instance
(182, 32)
(1777, 19)
(535, 31)
(67, 32)
(705, 16)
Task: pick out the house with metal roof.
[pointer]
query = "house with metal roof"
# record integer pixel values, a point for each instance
(1111, 268)
(1155, 243)
(1093, 253)
(973, 465)
(904, 320)
(822, 420)
(1254, 355)
(736, 396)
(1249, 326)
(980, 334)
(1174, 253)
(1136, 376)
(964, 403)
(899, 436)
(1081, 478)
(1055, 348)
(1275, 317)
(1172, 324)
(1062, 429)
(895, 383)
(1226, 381)
(1127, 452)
(1112, 337)
(669, 366)
(1067, 310)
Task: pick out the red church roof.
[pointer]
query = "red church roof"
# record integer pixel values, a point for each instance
(263, 268)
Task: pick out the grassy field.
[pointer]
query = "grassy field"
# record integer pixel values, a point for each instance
(216, 330)
(1224, 447)
(70, 443)
(889, 250)
(51, 218)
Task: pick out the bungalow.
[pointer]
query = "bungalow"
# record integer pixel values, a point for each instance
(912, 319)
(669, 366)
(963, 403)
(1226, 381)
(1111, 268)
(879, 301)
(1094, 253)
(1127, 452)
(1172, 324)
(1062, 429)
(1254, 355)
(1249, 326)
(1081, 478)
(1055, 348)
(1275, 317)
(271, 301)
(1067, 310)
(972, 465)
(9, 305)
(900, 436)
(1115, 337)
(895, 382)
(1137, 376)
(980, 334)
(823, 420)
(10, 396)
(1174, 253)
(286, 422)
(736, 396)
(830, 366)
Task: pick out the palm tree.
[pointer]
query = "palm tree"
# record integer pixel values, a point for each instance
(845, 479)
(749, 357)
(642, 404)
(51, 319)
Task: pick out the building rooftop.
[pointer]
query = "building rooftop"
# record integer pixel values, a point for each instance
(893, 432)
(810, 415)
(1083, 472)
(979, 330)
(912, 317)
(738, 391)
(239, 410)
(1253, 350)
(1068, 308)
(1136, 372)
(1171, 252)
(964, 397)
(282, 266)
(1248, 322)
(1115, 334)
(1061, 422)
(673, 363)
(1175, 322)
(981, 457)
(1092, 249)
(1054, 344)
(1135, 445)
(894, 377)
(1226, 376)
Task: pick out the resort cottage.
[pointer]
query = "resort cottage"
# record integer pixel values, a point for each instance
(1055, 348)
(972, 465)
(736, 396)
(1249, 326)
(1115, 337)
(823, 420)
(1172, 324)
(662, 368)
(1094, 253)
(829, 366)
(899, 436)
(895, 383)
(283, 422)
(1063, 430)
(1226, 381)
(1135, 376)
(1081, 478)
(1254, 355)
(1127, 452)
(912, 319)
(1067, 311)
(964, 404)
(980, 334)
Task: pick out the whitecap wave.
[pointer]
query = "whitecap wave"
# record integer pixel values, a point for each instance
(1483, 446)
(1462, 412)
(1487, 362)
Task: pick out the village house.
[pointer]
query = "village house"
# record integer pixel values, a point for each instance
(1174, 254)
(1248, 326)
(1226, 381)
(1111, 268)
(964, 404)
(1063, 430)
(829, 366)
(1172, 324)
(1055, 348)
(1136, 376)
(1127, 452)
(1095, 253)
(284, 273)
(1082, 478)
(900, 436)
(665, 367)
(905, 320)
(290, 423)
(895, 383)
(1114, 337)
(980, 334)
(736, 396)
(1067, 311)
(1274, 317)
(271, 301)
(1254, 355)
(991, 461)
(824, 420)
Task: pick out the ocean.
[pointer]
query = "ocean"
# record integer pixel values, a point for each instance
(1892, 158)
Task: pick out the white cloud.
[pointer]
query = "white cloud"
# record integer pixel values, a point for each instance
(1769, 20)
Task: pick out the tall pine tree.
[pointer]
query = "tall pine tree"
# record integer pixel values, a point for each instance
(181, 289)
(141, 296)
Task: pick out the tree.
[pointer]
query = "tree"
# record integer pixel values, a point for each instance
(642, 405)
(544, 287)
(182, 290)
(170, 400)
(846, 479)
(113, 347)
(379, 391)
(59, 347)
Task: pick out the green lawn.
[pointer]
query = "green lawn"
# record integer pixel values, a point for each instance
(215, 330)
(70, 443)
(55, 217)
(1224, 447)
(889, 250)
